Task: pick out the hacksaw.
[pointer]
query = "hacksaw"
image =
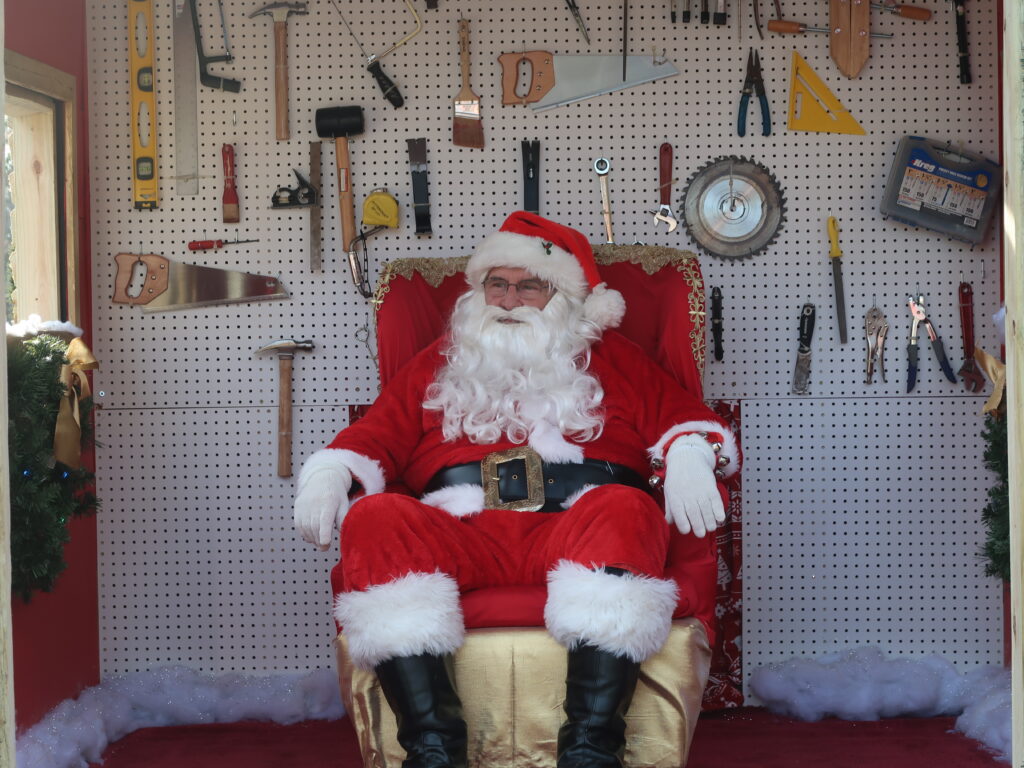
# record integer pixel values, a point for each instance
(145, 179)
(813, 107)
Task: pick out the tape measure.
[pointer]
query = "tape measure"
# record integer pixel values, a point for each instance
(145, 181)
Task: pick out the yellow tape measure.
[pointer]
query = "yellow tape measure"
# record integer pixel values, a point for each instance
(145, 181)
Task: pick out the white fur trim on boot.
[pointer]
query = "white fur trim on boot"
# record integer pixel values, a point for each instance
(366, 470)
(730, 448)
(457, 500)
(626, 615)
(417, 613)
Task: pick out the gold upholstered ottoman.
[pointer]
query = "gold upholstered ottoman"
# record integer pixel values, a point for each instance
(512, 682)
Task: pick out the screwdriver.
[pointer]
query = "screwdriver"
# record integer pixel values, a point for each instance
(796, 28)
(906, 11)
(206, 245)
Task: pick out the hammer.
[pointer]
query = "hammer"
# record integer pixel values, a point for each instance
(339, 123)
(279, 12)
(285, 349)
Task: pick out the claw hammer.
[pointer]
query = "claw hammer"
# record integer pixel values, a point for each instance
(279, 12)
(285, 349)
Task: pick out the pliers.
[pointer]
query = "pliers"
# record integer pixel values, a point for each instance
(753, 83)
(876, 328)
(917, 310)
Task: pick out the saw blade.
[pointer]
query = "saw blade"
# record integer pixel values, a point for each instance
(733, 207)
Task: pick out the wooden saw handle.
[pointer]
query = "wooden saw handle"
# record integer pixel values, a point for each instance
(157, 273)
(542, 76)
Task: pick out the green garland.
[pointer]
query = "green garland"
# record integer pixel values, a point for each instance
(44, 495)
(996, 514)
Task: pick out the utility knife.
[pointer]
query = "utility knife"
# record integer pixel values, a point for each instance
(802, 374)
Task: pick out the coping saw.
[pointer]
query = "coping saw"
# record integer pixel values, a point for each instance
(387, 87)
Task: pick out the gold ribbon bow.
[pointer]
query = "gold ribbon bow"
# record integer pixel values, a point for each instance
(996, 372)
(67, 437)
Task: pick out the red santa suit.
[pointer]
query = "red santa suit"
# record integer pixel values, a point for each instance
(397, 550)
(406, 559)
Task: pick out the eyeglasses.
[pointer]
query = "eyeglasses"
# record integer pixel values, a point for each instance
(527, 290)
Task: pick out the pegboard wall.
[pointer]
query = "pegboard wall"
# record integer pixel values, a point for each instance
(199, 563)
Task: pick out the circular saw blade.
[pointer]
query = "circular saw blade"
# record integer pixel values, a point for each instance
(733, 207)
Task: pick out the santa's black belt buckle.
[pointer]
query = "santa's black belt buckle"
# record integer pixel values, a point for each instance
(532, 472)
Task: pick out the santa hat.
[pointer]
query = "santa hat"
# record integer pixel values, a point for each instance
(555, 253)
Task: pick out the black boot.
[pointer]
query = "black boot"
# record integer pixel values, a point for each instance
(598, 690)
(421, 692)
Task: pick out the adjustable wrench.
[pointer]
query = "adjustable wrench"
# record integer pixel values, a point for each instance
(664, 212)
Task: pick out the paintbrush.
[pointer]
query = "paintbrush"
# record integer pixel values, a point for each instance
(467, 126)
(230, 198)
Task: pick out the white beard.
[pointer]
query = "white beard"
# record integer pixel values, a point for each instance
(526, 380)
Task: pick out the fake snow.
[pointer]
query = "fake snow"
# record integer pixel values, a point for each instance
(862, 684)
(77, 731)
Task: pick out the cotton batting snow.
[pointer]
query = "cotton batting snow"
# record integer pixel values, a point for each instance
(863, 684)
(77, 731)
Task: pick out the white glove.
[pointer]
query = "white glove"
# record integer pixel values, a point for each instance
(692, 501)
(321, 504)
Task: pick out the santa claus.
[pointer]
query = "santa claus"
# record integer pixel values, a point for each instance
(528, 434)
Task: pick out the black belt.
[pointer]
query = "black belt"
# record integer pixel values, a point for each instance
(517, 479)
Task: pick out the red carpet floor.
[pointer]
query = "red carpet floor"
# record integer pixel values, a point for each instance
(742, 738)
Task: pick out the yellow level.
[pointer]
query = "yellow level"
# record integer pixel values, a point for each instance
(145, 182)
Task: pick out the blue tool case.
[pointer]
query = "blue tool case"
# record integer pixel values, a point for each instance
(935, 186)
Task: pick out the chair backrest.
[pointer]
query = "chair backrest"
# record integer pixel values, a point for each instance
(663, 289)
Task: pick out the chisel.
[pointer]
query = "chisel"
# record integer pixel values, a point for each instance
(835, 256)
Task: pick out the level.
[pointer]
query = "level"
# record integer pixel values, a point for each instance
(145, 182)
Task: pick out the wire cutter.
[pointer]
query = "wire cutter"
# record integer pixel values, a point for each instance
(753, 83)
(920, 316)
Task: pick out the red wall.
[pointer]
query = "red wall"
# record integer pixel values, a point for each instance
(56, 634)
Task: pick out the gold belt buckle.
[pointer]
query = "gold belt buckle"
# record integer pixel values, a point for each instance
(534, 479)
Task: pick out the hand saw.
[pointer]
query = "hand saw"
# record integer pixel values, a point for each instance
(559, 80)
(167, 284)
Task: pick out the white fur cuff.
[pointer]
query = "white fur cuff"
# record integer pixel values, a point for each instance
(457, 500)
(367, 471)
(626, 615)
(417, 613)
(730, 447)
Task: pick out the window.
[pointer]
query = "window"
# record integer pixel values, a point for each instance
(40, 257)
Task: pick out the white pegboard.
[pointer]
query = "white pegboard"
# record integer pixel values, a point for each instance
(188, 368)
(878, 542)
